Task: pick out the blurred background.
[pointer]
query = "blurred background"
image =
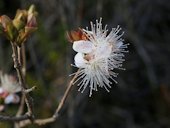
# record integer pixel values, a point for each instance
(141, 99)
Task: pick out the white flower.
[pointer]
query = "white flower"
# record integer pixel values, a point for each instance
(9, 86)
(12, 98)
(98, 55)
(9, 83)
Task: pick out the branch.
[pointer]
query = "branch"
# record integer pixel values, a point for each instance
(56, 114)
(39, 122)
(13, 119)
(21, 107)
(22, 56)
(18, 67)
(28, 118)
(65, 95)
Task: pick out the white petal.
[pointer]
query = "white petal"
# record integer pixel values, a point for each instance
(83, 46)
(9, 84)
(12, 98)
(79, 60)
(16, 99)
(9, 99)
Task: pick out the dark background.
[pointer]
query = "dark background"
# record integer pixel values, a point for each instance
(141, 99)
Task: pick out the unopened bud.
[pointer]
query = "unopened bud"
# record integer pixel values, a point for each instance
(21, 15)
(4, 21)
(76, 35)
(31, 9)
(31, 21)
(18, 24)
(31, 24)
(20, 19)
(9, 30)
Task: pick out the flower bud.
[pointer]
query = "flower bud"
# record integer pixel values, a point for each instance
(31, 21)
(20, 19)
(8, 27)
(31, 24)
(21, 38)
(76, 35)
(22, 15)
(31, 9)
(18, 24)
(4, 21)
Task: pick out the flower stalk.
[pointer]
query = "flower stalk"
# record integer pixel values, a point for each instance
(18, 67)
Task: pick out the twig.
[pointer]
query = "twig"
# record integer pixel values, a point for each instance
(21, 107)
(23, 63)
(19, 59)
(23, 56)
(30, 89)
(65, 95)
(13, 119)
(28, 118)
(56, 114)
(39, 122)
(17, 66)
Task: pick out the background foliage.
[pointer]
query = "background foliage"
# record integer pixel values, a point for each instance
(141, 99)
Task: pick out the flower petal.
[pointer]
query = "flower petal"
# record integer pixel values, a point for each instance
(12, 98)
(79, 60)
(10, 84)
(83, 46)
(9, 99)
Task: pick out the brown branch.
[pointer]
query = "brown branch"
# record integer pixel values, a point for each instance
(28, 118)
(23, 56)
(39, 122)
(21, 53)
(21, 107)
(23, 63)
(13, 119)
(56, 114)
(18, 67)
(65, 95)
(19, 56)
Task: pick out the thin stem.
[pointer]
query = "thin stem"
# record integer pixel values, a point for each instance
(21, 54)
(27, 118)
(13, 119)
(22, 59)
(24, 65)
(39, 122)
(17, 66)
(65, 95)
(56, 114)
(21, 107)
